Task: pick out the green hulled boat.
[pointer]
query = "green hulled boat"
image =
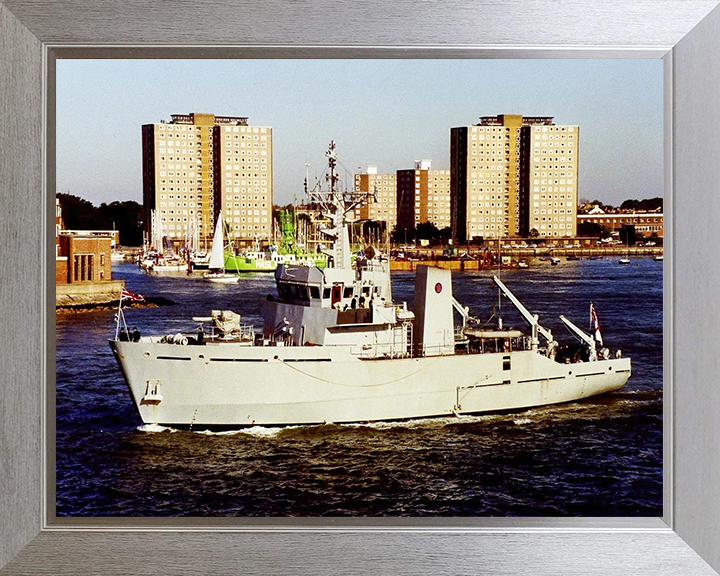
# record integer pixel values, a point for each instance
(287, 253)
(268, 261)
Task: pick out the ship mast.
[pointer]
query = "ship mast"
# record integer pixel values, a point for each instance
(336, 205)
(342, 241)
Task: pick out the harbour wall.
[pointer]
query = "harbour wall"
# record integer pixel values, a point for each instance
(88, 294)
(474, 261)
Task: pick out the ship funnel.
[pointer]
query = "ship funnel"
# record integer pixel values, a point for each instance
(434, 333)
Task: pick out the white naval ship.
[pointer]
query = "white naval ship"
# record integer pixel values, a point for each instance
(335, 348)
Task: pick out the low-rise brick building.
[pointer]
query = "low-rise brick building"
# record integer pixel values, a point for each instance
(83, 268)
(83, 258)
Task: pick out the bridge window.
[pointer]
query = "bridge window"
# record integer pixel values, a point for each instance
(283, 290)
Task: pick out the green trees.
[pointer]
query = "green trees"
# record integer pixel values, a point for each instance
(592, 229)
(648, 205)
(79, 214)
(423, 231)
(126, 217)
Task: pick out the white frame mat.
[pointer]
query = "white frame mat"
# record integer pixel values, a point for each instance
(685, 33)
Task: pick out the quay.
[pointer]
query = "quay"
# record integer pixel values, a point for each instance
(88, 295)
(478, 259)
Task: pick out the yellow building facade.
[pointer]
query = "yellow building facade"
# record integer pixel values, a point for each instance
(197, 165)
(550, 184)
(511, 174)
(244, 177)
(382, 202)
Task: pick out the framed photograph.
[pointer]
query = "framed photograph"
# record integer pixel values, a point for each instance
(685, 540)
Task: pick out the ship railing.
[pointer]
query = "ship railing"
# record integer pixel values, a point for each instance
(374, 266)
(461, 338)
(383, 351)
(495, 345)
(435, 349)
(245, 333)
(283, 339)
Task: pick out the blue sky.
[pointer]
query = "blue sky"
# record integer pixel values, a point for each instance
(387, 113)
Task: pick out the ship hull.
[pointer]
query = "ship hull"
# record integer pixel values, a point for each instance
(243, 264)
(243, 385)
(248, 264)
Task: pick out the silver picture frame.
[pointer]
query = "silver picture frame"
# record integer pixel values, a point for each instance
(685, 33)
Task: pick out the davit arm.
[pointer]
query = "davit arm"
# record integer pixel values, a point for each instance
(530, 318)
(584, 336)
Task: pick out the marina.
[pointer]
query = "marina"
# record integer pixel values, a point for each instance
(472, 257)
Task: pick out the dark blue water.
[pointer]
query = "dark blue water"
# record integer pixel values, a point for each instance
(599, 457)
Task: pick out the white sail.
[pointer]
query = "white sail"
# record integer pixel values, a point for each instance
(191, 237)
(156, 241)
(217, 261)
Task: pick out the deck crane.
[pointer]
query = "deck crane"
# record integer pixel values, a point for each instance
(531, 319)
(464, 311)
(585, 337)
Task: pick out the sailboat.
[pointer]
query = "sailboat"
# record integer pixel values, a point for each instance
(198, 260)
(626, 259)
(217, 260)
(161, 258)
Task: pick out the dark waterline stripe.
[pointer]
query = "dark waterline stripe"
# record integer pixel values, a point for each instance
(541, 379)
(238, 359)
